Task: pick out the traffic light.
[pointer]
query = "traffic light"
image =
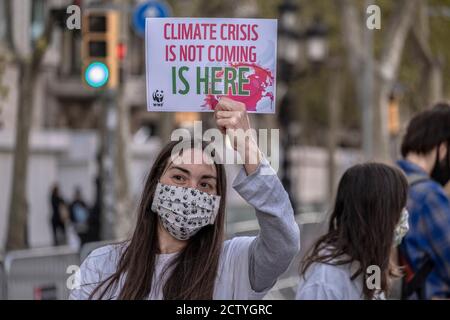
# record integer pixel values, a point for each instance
(100, 33)
(394, 115)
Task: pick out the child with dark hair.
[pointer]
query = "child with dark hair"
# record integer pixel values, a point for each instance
(368, 220)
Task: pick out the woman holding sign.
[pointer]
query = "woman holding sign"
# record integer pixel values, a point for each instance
(178, 250)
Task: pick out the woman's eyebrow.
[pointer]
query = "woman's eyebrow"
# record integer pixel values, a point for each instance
(209, 177)
(181, 169)
(206, 176)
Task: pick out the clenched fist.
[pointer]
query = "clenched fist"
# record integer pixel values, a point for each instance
(232, 119)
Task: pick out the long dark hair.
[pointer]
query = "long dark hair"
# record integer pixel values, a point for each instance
(369, 203)
(194, 268)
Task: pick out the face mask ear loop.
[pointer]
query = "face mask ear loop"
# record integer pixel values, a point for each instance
(447, 157)
(448, 154)
(213, 217)
(437, 162)
(438, 156)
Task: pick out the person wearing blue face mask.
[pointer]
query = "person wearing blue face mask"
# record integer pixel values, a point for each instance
(426, 162)
(177, 250)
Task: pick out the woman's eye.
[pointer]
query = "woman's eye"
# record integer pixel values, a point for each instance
(178, 178)
(205, 185)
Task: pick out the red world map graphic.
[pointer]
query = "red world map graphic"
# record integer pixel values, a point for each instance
(259, 81)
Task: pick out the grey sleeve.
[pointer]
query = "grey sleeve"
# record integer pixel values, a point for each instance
(278, 241)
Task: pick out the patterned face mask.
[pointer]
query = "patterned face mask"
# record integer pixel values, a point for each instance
(184, 211)
(402, 228)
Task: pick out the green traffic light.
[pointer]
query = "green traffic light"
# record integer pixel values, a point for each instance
(96, 74)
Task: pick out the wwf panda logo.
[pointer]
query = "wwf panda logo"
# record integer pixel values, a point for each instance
(158, 97)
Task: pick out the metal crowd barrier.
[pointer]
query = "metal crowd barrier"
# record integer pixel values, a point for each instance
(39, 274)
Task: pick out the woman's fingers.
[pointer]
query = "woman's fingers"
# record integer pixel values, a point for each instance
(232, 119)
(226, 123)
(221, 125)
(224, 104)
(231, 115)
(226, 114)
(227, 104)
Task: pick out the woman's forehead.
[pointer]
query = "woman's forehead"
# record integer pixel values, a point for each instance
(194, 160)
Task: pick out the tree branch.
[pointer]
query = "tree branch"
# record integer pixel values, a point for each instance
(352, 36)
(42, 43)
(397, 32)
(422, 47)
(9, 29)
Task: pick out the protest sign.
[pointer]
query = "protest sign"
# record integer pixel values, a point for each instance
(192, 62)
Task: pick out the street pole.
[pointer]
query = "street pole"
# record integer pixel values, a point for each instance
(124, 211)
(108, 163)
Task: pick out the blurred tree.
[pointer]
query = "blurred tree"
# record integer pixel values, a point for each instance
(420, 85)
(3, 89)
(385, 71)
(425, 68)
(28, 67)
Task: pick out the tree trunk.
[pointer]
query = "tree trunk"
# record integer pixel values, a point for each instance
(381, 121)
(18, 203)
(28, 70)
(360, 59)
(386, 73)
(396, 34)
(436, 83)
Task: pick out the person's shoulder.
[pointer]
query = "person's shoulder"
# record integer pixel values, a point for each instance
(100, 264)
(103, 251)
(329, 281)
(337, 272)
(426, 186)
(428, 194)
(106, 257)
(328, 272)
(423, 193)
(437, 189)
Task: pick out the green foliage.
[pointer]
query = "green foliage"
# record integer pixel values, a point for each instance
(439, 39)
